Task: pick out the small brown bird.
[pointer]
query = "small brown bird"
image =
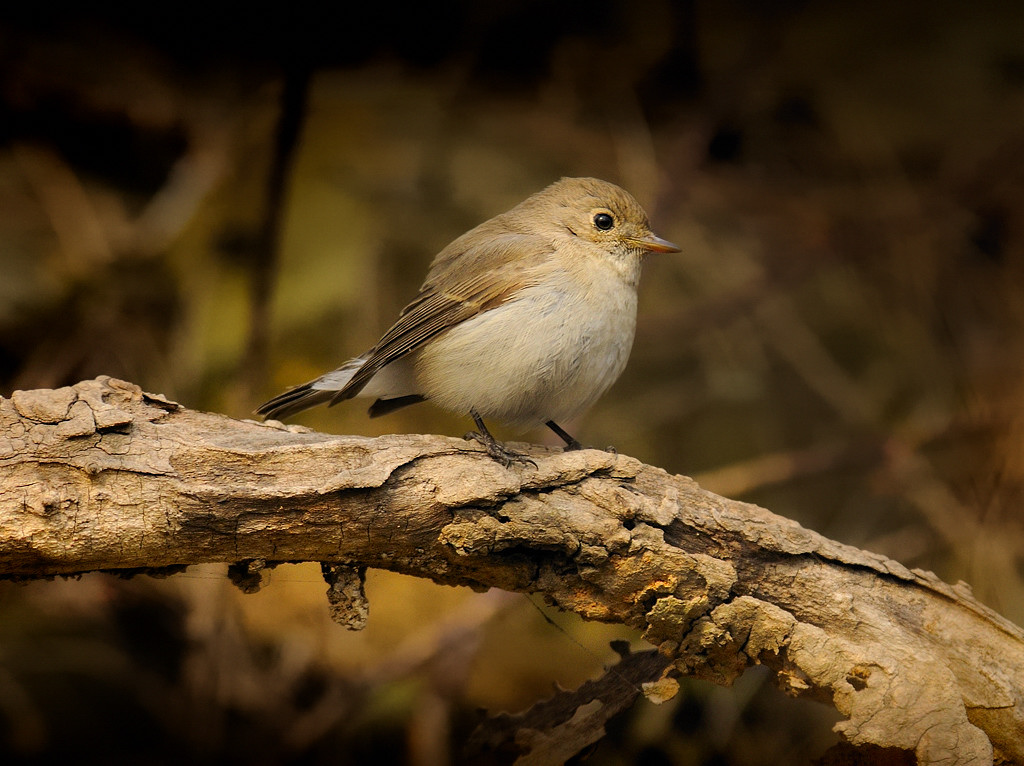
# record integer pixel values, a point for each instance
(527, 319)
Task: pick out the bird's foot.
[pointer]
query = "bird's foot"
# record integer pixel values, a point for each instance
(570, 441)
(497, 450)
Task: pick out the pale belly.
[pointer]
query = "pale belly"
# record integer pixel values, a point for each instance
(548, 355)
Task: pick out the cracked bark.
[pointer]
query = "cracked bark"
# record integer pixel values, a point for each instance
(102, 476)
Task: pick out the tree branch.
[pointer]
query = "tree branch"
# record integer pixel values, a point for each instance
(102, 476)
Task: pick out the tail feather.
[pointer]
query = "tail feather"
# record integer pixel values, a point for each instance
(323, 390)
(293, 401)
(393, 388)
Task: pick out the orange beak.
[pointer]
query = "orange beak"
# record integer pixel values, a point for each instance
(654, 244)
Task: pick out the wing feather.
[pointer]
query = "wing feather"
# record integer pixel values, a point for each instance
(522, 261)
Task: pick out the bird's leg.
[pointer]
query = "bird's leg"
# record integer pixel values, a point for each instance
(570, 442)
(494, 448)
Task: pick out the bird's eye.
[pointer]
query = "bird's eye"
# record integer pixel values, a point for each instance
(603, 221)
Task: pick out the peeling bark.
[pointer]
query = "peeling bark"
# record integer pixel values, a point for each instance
(102, 476)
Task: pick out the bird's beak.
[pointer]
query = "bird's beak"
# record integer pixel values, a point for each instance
(653, 244)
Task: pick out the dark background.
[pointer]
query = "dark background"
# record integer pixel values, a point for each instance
(215, 204)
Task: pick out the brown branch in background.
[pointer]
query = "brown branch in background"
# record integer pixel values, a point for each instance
(294, 97)
(555, 730)
(102, 476)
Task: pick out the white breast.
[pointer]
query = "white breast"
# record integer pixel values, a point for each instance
(546, 355)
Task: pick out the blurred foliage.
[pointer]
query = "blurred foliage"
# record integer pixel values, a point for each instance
(841, 339)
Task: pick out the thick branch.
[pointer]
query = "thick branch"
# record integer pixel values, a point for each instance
(103, 476)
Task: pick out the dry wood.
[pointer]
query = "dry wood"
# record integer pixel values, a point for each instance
(102, 476)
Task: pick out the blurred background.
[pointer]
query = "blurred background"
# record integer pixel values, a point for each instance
(217, 204)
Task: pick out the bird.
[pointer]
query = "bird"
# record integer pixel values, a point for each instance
(526, 319)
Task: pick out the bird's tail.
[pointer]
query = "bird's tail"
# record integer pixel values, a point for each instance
(319, 391)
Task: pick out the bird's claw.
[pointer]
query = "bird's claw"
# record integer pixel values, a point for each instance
(499, 451)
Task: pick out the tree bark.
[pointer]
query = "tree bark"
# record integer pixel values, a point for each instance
(102, 476)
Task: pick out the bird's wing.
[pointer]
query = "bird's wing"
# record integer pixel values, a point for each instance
(478, 285)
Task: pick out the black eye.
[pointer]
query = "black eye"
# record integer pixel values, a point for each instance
(603, 221)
